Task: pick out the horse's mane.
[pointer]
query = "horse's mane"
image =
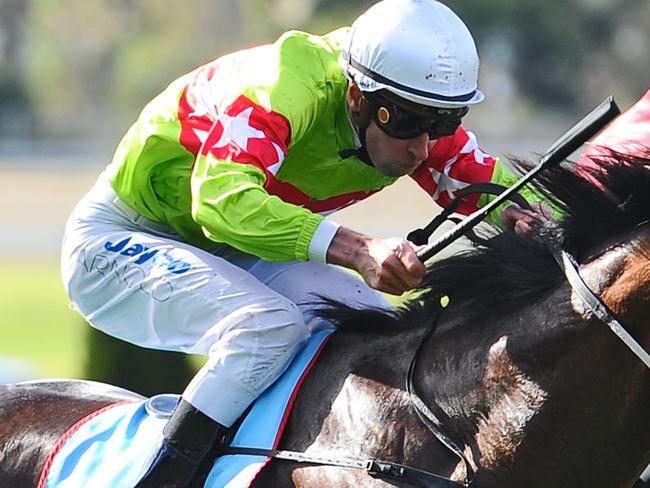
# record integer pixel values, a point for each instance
(600, 198)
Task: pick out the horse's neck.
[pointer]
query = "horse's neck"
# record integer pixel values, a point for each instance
(527, 393)
(354, 405)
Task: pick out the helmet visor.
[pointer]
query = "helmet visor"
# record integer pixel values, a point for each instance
(405, 120)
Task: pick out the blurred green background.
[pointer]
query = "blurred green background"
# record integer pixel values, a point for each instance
(75, 73)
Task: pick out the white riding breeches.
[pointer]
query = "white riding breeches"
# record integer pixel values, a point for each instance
(136, 280)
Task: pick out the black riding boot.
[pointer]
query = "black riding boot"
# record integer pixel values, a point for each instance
(188, 437)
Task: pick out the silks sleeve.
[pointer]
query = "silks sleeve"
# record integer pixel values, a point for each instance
(457, 161)
(232, 206)
(229, 200)
(502, 175)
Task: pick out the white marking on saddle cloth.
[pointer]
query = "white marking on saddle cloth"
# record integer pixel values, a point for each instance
(126, 437)
(123, 437)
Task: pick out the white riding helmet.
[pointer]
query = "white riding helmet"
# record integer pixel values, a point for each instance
(419, 50)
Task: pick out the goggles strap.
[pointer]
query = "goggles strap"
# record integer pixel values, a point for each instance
(360, 126)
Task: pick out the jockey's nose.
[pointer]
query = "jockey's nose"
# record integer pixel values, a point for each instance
(419, 147)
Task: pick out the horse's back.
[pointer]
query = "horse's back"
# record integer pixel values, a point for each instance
(71, 390)
(34, 415)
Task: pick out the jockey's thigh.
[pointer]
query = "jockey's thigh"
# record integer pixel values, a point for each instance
(306, 283)
(133, 280)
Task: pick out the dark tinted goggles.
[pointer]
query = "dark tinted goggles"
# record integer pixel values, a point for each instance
(402, 122)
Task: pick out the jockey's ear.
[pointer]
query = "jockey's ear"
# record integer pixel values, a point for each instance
(355, 98)
(359, 109)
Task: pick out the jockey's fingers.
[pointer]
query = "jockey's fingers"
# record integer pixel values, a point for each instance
(394, 283)
(407, 254)
(410, 268)
(392, 276)
(542, 210)
(511, 214)
(389, 288)
(392, 266)
(524, 228)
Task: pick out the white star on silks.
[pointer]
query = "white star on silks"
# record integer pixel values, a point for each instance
(445, 182)
(238, 129)
(472, 147)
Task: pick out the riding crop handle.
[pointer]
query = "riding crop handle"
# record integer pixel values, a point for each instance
(561, 149)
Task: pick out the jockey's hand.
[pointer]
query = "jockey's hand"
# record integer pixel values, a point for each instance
(388, 265)
(521, 221)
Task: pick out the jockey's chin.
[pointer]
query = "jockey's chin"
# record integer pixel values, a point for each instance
(396, 157)
(396, 169)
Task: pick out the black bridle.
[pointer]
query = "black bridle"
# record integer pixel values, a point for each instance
(571, 270)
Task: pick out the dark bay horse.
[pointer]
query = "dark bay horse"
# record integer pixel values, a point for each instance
(536, 390)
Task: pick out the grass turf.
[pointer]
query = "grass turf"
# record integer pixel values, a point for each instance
(36, 324)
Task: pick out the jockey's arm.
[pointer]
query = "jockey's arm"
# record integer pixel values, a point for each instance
(389, 265)
(457, 161)
(232, 206)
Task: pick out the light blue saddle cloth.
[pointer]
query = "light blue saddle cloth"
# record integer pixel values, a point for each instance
(114, 447)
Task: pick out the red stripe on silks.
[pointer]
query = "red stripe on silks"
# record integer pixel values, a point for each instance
(66, 437)
(191, 123)
(454, 162)
(290, 194)
(292, 400)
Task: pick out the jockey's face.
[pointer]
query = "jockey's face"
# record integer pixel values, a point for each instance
(396, 157)
(391, 155)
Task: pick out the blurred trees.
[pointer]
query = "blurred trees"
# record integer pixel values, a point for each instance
(565, 54)
(84, 68)
(144, 371)
(15, 103)
(93, 64)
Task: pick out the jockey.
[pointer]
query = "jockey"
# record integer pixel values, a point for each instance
(208, 234)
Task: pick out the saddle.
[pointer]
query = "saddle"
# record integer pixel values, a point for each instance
(115, 445)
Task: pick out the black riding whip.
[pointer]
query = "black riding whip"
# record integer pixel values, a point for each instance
(561, 149)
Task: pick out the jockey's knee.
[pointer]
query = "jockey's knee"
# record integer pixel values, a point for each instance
(282, 328)
(259, 347)
(247, 358)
